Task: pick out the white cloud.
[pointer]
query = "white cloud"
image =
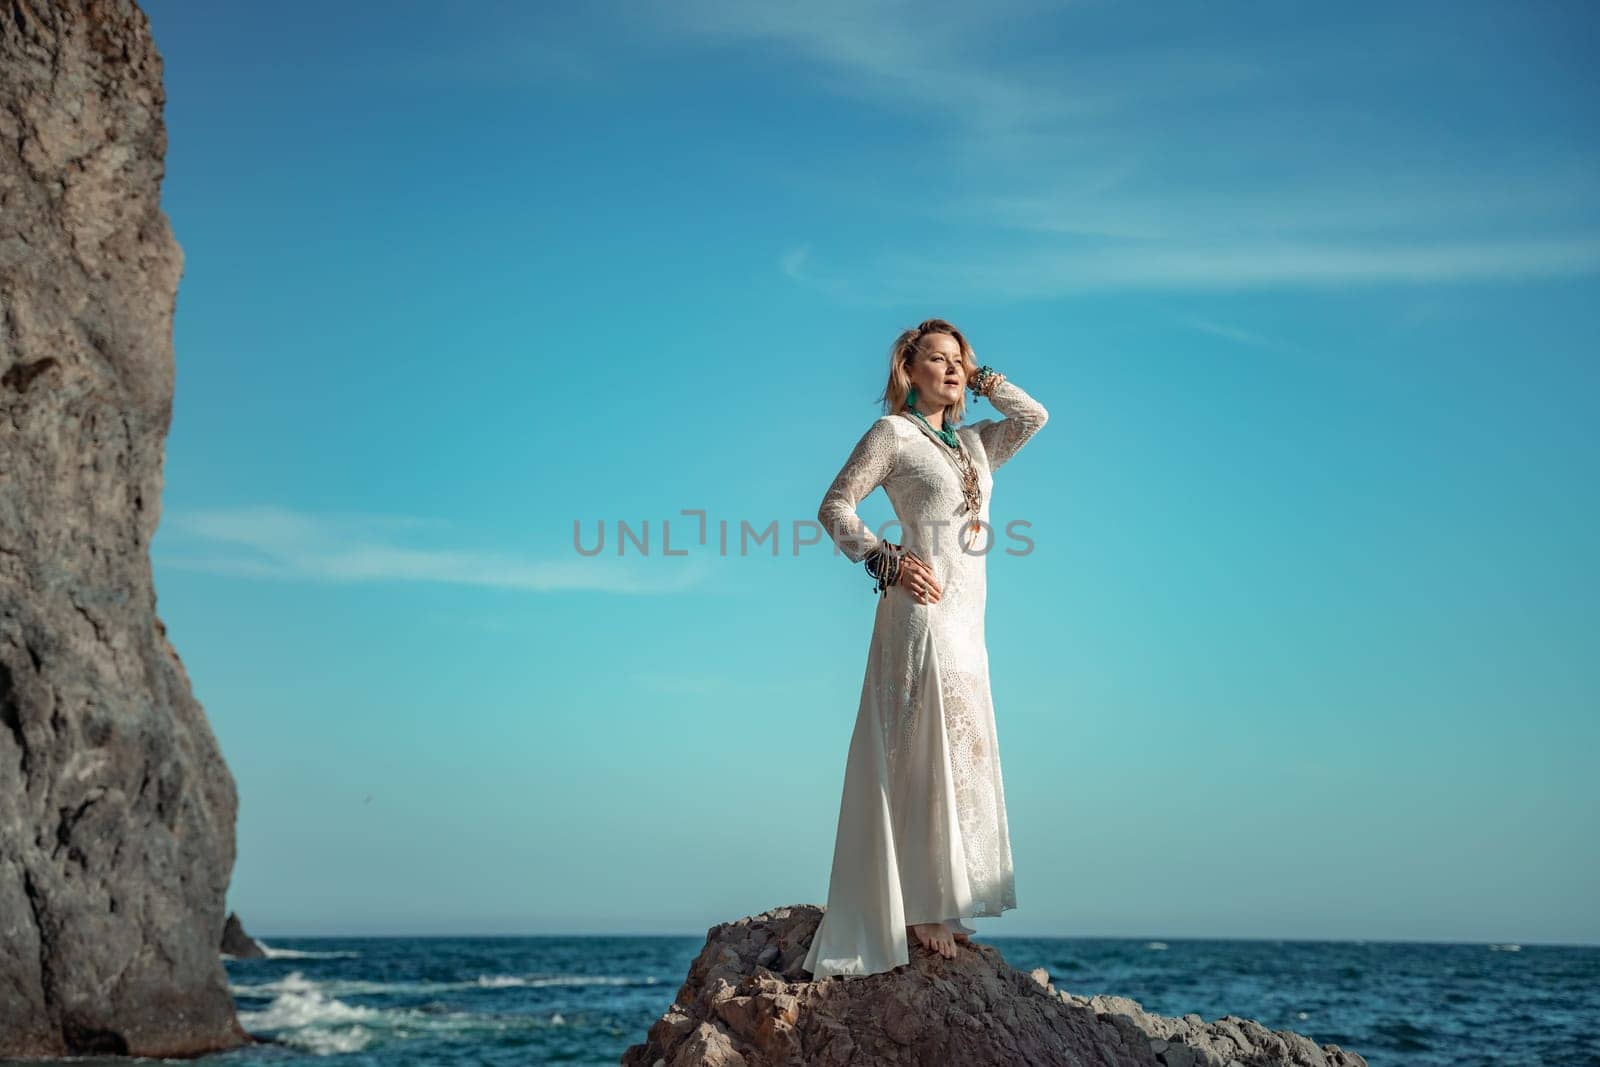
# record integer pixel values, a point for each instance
(1075, 145)
(793, 262)
(953, 61)
(1232, 333)
(1125, 150)
(275, 543)
(1239, 265)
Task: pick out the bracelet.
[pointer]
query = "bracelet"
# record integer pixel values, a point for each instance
(983, 380)
(883, 564)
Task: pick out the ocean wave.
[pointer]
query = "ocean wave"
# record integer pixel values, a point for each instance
(301, 954)
(304, 1014)
(535, 981)
(297, 982)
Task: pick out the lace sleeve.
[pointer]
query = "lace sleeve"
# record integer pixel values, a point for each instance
(870, 463)
(1024, 416)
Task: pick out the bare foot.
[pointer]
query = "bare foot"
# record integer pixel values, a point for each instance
(958, 929)
(935, 936)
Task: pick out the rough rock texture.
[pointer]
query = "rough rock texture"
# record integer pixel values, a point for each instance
(237, 943)
(748, 1002)
(116, 809)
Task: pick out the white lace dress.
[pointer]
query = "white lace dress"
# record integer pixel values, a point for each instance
(922, 822)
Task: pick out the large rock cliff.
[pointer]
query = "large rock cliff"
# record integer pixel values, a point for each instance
(748, 1002)
(116, 809)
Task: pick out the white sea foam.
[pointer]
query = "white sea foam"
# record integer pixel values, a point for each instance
(307, 1018)
(305, 1014)
(296, 982)
(326, 1042)
(539, 981)
(300, 954)
(300, 1002)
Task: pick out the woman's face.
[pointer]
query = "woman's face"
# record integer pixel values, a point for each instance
(938, 371)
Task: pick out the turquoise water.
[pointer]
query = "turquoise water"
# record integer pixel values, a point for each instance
(582, 1000)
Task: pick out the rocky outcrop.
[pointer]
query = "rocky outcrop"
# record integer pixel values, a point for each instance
(237, 943)
(748, 1002)
(116, 809)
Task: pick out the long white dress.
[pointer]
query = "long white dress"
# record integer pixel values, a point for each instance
(922, 831)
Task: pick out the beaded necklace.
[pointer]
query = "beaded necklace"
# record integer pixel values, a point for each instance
(947, 436)
(965, 468)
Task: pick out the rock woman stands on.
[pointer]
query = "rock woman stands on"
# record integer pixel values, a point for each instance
(922, 840)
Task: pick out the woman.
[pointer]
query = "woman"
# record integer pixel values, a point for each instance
(922, 839)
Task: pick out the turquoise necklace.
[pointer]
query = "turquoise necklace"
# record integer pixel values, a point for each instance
(947, 436)
(970, 489)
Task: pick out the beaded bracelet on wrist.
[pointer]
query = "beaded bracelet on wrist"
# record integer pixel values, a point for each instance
(983, 380)
(883, 564)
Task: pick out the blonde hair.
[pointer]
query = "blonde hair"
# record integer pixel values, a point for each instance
(905, 349)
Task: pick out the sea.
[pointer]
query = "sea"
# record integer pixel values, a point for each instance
(583, 1000)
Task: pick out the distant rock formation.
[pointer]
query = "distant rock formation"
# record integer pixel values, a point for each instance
(237, 943)
(116, 809)
(748, 1002)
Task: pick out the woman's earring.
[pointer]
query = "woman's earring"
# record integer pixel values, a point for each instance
(911, 398)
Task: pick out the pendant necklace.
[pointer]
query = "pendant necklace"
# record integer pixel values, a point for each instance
(965, 468)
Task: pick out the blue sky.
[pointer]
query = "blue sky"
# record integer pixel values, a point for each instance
(1306, 643)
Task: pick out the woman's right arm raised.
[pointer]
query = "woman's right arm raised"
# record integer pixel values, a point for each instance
(869, 465)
